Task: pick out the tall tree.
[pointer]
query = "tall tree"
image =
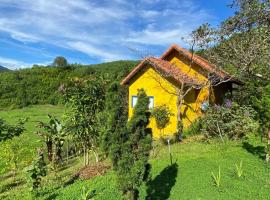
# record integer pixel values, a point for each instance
(131, 150)
(85, 100)
(60, 61)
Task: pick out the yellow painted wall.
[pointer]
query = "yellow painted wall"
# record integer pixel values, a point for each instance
(150, 81)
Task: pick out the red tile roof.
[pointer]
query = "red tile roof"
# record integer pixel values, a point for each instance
(196, 59)
(167, 69)
(170, 70)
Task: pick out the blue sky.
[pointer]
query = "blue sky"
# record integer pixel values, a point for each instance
(95, 31)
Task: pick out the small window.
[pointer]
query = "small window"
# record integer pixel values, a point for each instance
(135, 99)
(151, 102)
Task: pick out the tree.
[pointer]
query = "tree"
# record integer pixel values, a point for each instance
(161, 115)
(131, 150)
(60, 61)
(85, 100)
(8, 131)
(115, 115)
(262, 106)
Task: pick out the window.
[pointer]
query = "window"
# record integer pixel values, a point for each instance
(135, 99)
(151, 102)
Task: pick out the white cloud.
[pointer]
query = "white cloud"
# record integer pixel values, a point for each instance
(16, 64)
(100, 29)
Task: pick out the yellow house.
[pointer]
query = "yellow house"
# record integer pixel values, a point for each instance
(178, 79)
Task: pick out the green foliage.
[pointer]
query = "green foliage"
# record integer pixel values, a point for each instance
(194, 128)
(37, 170)
(262, 106)
(8, 131)
(54, 136)
(217, 178)
(239, 169)
(85, 99)
(161, 115)
(60, 61)
(39, 85)
(131, 150)
(12, 153)
(115, 117)
(228, 122)
(87, 194)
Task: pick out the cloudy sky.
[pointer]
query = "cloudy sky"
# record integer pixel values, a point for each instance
(94, 31)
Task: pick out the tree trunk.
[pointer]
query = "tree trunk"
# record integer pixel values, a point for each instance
(84, 155)
(49, 145)
(179, 106)
(58, 153)
(268, 147)
(67, 151)
(87, 156)
(96, 156)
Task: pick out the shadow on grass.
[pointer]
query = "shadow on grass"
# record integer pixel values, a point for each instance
(258, 151)
(160, 187)
(52, 196)
(10, 186)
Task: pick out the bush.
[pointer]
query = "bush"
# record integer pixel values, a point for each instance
(194, 128)
(230, 121)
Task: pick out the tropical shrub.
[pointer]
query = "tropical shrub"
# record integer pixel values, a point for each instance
(229, 121)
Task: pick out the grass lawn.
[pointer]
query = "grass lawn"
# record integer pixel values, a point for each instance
(188, 178)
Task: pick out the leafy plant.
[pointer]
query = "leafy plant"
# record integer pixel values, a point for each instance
(8, 131)
(217, 178)
(85, 100)
(232, 122)
(262, 105)
(37, 170)
(239, 169)
(161, 115)
(87, 194)
(54, 136)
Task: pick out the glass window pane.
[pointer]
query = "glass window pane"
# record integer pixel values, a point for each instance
(134, 101)
(151, 102)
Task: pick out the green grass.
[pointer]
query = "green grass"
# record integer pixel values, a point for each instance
(28, 139)
(190, 177)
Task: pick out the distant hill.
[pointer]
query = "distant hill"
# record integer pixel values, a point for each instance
(3, 68)
(39, 84)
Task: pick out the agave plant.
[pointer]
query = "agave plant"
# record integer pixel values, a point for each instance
(239, 169)
(217, 178)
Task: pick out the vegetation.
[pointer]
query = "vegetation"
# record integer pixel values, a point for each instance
(96, 116)
(230, 121)
(161, 115)
(45, 81)
(133, 149)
